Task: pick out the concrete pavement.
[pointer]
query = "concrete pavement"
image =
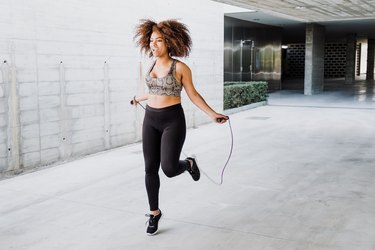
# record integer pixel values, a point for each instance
(301, 177)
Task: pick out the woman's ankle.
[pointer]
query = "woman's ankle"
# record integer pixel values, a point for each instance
(190, 163)
(155, 212)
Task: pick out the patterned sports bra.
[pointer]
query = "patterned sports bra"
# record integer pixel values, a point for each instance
(167, 86)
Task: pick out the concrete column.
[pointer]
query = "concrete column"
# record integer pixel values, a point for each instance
(370, 59)
(350, 58)
(314, 59)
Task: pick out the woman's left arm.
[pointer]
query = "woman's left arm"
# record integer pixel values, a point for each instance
(194, 96)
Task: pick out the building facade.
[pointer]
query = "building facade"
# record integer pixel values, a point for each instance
(70, 68)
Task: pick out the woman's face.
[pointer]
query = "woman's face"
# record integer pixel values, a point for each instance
(157, 44)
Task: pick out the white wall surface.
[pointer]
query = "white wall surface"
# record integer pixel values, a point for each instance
(69, 69)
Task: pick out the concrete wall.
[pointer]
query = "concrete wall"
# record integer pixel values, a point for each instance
(69, 69)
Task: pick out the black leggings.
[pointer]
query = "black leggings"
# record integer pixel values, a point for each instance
(163, 134)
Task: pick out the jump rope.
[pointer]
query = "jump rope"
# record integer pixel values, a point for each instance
(200, 168)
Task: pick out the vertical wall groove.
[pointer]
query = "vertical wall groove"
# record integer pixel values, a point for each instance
(107, 121)
(65, 134)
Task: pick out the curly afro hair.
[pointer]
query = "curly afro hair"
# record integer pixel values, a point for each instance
(175, 33)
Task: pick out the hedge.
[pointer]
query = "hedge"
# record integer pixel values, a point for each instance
(237, 94)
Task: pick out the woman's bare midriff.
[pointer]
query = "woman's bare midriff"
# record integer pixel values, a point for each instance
(157, 101)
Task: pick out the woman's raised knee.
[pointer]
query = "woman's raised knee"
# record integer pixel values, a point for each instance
(170, 171)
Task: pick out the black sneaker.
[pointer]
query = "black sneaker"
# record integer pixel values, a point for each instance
(193, 170)
(153, 222)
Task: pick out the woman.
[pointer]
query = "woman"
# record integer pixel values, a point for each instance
(164, 127)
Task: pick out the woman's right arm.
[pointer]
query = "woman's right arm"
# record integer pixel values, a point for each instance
(141, 98)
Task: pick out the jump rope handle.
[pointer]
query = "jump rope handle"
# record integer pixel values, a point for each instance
(132, 102)
(220, 119)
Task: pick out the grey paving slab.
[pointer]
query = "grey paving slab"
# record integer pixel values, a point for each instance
(300, 177)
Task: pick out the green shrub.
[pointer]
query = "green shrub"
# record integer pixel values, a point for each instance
(237, 94)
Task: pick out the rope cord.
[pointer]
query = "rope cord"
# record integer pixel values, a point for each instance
(227, 161)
